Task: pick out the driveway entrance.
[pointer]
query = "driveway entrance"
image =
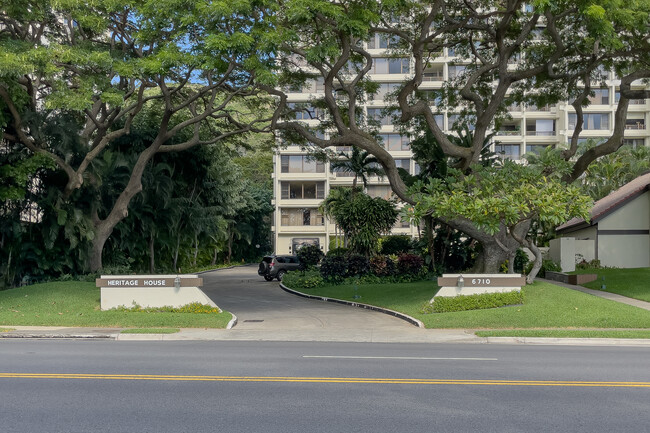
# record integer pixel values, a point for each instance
(263, 305)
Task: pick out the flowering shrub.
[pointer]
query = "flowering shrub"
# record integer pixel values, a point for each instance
(194, 307)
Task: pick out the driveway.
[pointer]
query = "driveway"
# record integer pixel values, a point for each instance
(263, 305)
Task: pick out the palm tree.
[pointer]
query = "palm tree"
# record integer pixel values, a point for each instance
(360, 163)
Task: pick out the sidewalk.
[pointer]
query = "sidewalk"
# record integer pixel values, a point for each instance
(368, 335)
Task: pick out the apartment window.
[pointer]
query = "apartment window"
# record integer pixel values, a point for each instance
(303, 112)
(384, 65)
(535, 148)
(508, 151)
(300, 164)
(634, 142)
(590, 121)
(380, 116)
(302, 190)
(395, 142)
(454, 122)
(541, 127)
(301, 217)
(382, 41)
(319, 85)
(617, 97)
(404, 163)
(381, 191)
(600, 97)
(385, 89)
(456, 70)
(402, 223)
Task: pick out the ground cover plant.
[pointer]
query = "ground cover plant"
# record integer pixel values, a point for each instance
(73, 303)
(546, 306)
(633, 283)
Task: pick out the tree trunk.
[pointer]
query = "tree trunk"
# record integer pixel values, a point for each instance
(178, 246)
(152, 259)
(104, 227)
(429, 228)
(103, 230)
(214, 257)
(196, 249)
(511, 262)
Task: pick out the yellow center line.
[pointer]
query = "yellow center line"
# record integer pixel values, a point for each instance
(349, 380)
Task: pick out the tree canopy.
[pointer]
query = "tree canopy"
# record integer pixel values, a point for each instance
(504, 53)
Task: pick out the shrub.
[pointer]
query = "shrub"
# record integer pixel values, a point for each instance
(333, 268)
(357, 265)
(547, 265)
(341, 251)
(396, 244)
(593, 264)
(409, 264)
(521, 262)
(382, 266)
(296, 280)
(309, 255)
(477, 302)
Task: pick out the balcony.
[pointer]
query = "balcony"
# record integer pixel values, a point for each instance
(634, 124)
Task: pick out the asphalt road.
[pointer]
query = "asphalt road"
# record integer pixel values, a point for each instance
(108, 386)
(262, 305)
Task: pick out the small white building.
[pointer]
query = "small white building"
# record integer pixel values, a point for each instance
(618, 233)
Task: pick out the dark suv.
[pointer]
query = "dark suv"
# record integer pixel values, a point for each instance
(278, 265)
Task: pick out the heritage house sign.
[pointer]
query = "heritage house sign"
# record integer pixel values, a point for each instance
(151, 291)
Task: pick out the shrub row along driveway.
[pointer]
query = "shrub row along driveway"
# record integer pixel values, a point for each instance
(264, 306)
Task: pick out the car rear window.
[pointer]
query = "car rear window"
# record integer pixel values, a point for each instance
(267, 259)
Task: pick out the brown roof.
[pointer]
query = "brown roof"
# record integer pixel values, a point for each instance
(610, 203)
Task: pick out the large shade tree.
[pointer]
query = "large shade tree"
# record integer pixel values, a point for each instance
(99, 64)
(509, 51)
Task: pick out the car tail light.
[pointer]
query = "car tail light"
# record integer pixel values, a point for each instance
(273, 262)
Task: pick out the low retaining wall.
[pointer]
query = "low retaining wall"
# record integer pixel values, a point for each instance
(576, 280)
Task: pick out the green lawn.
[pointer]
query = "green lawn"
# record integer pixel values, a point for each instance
(545, 306)
(633, 283)
(73, 303)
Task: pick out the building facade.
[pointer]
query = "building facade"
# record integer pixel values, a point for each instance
(301, 184)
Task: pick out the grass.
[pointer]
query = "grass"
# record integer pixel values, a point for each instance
(6, 329)
(633, 283)
(545, 306)
(73, 303)
(150, 331)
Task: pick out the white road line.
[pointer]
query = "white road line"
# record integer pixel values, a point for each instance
(399, 358)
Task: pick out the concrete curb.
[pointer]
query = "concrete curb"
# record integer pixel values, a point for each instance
(221, 269)
(623, 342)
(407, 318)
(232, 322)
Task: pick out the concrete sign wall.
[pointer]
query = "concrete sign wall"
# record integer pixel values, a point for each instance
(474, 284)
(151, 291)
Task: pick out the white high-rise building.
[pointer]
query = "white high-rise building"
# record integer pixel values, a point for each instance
(301, 184)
